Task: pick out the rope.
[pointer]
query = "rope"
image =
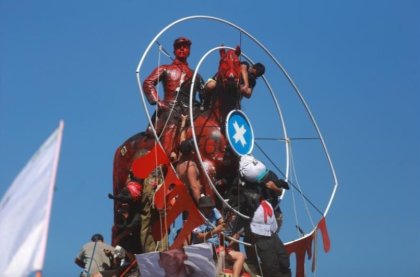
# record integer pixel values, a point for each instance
(289, 182)
(91, 259)
(298, 184)
(164, 51)
(293, 170)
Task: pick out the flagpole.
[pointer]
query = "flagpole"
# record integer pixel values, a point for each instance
(43, 246)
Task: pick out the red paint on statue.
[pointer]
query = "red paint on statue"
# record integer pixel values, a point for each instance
(303, 246)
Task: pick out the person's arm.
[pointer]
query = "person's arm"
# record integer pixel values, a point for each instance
(271, 185)
(149, 85)
(202, 236)
(79, 262)
(206, 235)
(220, 226)
(183, 127)
(246, 90)
(232, 244)
(194, 180)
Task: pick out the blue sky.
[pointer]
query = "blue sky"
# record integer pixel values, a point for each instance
(356, 63)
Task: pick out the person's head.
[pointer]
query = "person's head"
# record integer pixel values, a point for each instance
(205, 204)
(186, 147)
(173, 156)
(182, 47)
(172, 261)
(251, 169)
(97, 237)
(258, 69)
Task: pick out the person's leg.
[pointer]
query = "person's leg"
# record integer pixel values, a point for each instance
(283, 257)
(146, 239)
(238, 259)
(266, 251)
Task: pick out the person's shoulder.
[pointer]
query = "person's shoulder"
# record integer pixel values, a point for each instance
(216, 213)
(192, 163)
(107, 246)
(88, 244)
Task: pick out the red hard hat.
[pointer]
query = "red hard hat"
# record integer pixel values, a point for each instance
(182, 40)
(135, 190)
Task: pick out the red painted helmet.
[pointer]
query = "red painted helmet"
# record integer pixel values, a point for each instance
(135, 190)
(182, 40)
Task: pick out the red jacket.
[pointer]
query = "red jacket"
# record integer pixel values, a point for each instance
(170, 75)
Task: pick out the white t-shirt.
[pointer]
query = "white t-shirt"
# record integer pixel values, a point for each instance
(264, 222)
(251, 169)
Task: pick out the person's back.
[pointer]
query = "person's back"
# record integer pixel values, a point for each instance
(100, 260)
(187, 170)
(95, 256)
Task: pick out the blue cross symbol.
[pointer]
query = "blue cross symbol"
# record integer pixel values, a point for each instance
(239, 132)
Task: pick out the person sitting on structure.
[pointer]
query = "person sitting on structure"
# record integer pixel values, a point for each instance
(210, 231)
(174, 156)
(187, 170)
(256, 176)
(249, 76)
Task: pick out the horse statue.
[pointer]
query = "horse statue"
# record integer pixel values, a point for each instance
(142, 166)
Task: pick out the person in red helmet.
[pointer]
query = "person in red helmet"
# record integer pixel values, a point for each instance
(176, 79)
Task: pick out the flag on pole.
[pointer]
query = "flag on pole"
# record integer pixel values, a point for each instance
(25, 211)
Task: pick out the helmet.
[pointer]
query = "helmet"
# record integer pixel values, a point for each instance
(135, 190)
(205, 202)
(251, 169)
(182, 40)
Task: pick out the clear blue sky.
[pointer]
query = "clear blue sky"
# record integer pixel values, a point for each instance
(357, 64)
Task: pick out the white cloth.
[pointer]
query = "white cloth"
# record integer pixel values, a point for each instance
(25, 212)
(264, 222)
(251, 169)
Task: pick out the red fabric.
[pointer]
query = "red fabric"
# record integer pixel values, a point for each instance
(135, 190)
(268, 210)
(144, 165)
(304, 245)
(322, 225)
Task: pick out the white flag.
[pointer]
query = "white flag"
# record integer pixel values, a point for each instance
(25, 211)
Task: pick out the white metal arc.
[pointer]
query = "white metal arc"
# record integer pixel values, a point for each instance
(296, 89)
(193, 129)
(283, 123)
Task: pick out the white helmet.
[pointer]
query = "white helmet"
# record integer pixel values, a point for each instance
(251, 169)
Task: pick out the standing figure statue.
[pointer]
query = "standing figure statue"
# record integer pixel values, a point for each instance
(176, 79)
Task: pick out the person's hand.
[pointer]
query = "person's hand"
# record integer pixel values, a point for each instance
(184, 119)
(162, 106)
(219, 228)
(108, 252)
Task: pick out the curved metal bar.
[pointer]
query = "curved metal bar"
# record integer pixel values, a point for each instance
(194, 134)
